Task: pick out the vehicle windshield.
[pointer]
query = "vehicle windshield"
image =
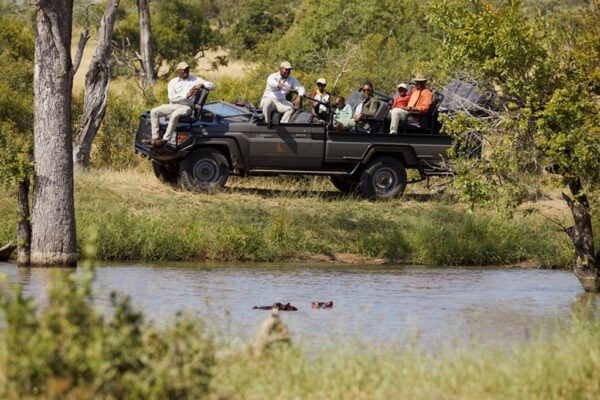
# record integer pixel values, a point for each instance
(225, 109)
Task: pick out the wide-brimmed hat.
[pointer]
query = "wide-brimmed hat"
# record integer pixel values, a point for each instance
(286, 65)
(403, 86)
(322, 81)
(182, 65)
(420, 78)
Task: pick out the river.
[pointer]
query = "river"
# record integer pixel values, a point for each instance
(434, 307)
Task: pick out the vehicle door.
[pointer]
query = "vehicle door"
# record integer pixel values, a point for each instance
(287, 146)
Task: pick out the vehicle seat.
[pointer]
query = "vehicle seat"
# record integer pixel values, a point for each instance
(354, 100)
(199, 100)
(376, 122)
(276, 118)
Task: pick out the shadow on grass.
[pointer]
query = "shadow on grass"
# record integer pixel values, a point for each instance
(325, 195)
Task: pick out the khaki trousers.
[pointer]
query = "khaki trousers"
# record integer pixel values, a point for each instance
(174, 112)
(284, 107)
(398, 115)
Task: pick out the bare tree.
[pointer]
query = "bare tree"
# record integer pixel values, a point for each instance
(53, 219)
(148, 76)
(97, 81)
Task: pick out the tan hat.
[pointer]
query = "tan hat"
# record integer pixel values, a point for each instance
(420, 78)
(182, 65)
(286, 65)
(322, 81)
(403, 86)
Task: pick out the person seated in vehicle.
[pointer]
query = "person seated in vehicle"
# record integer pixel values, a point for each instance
(367, 107)
(319, 110)
(181, 92)
(401, 101)
(279, 85)
(420, 100)
(342, 116)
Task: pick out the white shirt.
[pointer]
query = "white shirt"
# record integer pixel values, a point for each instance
(290, 83)
(324, 98)
(179, 88)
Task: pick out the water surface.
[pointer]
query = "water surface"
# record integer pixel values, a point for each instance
(434, 306)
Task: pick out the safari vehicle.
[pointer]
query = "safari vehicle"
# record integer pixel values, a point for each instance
(221, 139)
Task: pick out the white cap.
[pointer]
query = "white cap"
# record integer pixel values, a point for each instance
(182, 65)
(286, 65)
(322, 81)
(403, 85)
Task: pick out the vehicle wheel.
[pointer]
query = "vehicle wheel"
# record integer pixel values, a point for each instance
(345, 184)
(166, 173)
(204, 170)
(384, 178)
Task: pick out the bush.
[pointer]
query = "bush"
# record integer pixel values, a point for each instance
(69, 350)
(113, 145)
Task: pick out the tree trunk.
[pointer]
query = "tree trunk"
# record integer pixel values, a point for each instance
(97, 81)
(53, 219)
(148, 75)
(587, 267)
(23, 225)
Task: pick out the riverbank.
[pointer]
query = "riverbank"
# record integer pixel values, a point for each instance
(135, 217)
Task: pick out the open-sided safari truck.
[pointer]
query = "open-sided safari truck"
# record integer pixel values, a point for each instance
(222, 138)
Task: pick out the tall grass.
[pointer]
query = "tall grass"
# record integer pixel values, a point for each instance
(138, 218)
(566, 366)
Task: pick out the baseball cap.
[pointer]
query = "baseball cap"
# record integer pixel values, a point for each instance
(182, 65)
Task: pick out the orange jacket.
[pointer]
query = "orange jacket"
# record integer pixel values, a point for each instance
(420, 99)
(401, 102)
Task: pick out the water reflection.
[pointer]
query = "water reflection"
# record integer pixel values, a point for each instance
(438, 306)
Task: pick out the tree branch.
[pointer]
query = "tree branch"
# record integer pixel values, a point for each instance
(85, 36)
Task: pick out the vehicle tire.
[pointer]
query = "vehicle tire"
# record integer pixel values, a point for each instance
(345, 184)
(204, 170)
(166, 173)
(383, 178)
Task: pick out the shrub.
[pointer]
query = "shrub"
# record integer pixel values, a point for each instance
(69, 350)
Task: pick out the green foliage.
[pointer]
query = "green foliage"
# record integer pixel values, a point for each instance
(546, 77)
(16, 99)
(114, 142)
(179, 31)
(69, 350)
(346, 42)
(260, 21)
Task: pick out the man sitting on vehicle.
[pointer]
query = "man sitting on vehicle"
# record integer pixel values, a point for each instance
(321, 111)
(279, 85)
(181, 91)
(342, 116)
(420, 100)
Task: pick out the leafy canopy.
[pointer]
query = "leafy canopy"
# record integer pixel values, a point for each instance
(16, 99)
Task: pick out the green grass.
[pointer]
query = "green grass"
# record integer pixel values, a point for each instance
(138, 218)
